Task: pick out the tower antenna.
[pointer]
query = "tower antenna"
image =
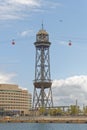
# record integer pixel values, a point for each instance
(42, 24)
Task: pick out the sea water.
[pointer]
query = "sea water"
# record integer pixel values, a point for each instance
(42, 126)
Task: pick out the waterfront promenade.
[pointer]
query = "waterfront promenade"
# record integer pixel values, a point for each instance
(45, 119)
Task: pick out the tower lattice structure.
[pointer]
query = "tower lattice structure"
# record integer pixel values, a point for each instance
(42, 96)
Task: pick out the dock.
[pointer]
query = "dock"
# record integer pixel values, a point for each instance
(44, 119)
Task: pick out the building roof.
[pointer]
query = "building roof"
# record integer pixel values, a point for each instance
(11, 87)
(42, 31)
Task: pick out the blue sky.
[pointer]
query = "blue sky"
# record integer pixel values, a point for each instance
(64, 20)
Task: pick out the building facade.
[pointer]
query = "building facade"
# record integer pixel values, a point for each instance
(14, 100)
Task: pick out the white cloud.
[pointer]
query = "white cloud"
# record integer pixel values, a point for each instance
(23, 88)
(6, 78)
(67, 91)
(63, 43)
(26, 33)
(18, 9)
(25, 2)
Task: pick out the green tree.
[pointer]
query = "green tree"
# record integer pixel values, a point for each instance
(55, 112)
(74, 110)
(59, 111)
(42, 110)
(52, 112)
(85, 110)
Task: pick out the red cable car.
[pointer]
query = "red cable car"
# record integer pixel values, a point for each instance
(69, 43)
(13, 42)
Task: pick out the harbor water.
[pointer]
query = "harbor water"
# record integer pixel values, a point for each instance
(42, 126)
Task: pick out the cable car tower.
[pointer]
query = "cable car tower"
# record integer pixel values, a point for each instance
(42, 96)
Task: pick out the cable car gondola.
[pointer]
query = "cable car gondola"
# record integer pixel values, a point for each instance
(13, 42)
(70, 43)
